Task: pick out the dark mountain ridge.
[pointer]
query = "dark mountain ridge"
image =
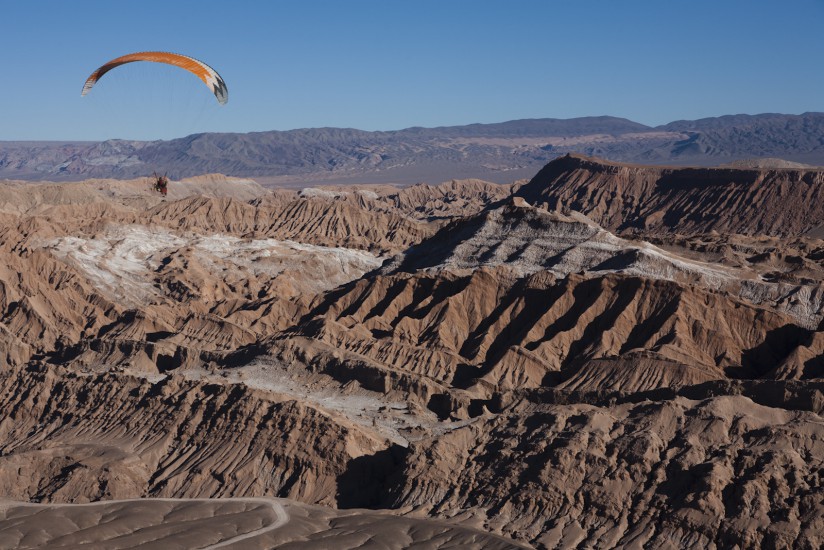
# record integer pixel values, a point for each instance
(501, 152)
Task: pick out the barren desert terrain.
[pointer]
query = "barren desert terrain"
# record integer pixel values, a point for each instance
(605, 356)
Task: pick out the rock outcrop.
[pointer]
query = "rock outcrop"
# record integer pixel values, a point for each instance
(783, 202)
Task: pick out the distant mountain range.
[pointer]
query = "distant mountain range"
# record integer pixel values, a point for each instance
(501, 152)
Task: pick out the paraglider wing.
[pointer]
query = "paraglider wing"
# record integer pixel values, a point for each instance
(201, 70)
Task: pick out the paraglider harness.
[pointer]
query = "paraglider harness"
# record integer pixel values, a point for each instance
(161, 184)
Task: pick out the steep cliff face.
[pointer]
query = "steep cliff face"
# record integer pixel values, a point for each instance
(171, 438)
(692, 474)
(576, 331)
(783, 202)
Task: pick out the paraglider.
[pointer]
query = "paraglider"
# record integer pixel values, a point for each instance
(161, 184)
(201, 70)
(204, 72)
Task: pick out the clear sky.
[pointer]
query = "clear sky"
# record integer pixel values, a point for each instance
(391, 64)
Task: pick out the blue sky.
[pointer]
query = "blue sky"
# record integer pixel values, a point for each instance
(384, 65)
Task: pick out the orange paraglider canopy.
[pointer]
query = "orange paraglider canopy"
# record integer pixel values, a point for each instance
(201, 70)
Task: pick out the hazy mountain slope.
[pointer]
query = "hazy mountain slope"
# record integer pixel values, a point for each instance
(306, 151)
(502, 152)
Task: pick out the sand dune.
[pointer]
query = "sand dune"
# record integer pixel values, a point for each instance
(224, 523)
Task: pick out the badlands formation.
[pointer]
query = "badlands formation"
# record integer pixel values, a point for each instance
(604, 356)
